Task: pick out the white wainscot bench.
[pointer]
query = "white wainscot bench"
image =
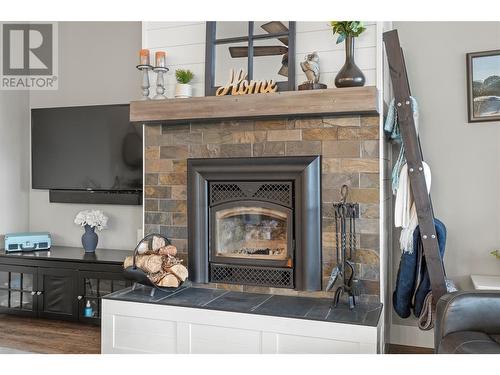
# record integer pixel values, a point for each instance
(202, 320)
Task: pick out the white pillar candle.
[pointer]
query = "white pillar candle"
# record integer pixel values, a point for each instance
(160, 58)
(144, 57)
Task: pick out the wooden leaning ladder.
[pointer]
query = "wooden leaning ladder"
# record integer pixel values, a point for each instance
(413, 153)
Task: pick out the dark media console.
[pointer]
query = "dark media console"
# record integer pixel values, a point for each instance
(60, 283)
(96, 197)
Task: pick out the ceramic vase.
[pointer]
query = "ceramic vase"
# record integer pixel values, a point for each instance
(89, 239)
(183, 90)
(350, 75)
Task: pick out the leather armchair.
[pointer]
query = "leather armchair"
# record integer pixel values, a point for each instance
(468, 323)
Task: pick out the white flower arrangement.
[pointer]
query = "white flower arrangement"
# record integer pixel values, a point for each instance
(94, 218)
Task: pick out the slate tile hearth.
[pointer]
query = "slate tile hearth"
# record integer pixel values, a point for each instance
(239, 301)
(349, 147)
(144, 294)
(193, 297)
(296, 307)
(255, 303)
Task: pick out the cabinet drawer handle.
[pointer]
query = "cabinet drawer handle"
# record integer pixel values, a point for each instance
(38, 293)
(33, 293)
(79, 298)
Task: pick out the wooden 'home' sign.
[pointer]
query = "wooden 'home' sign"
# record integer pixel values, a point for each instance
(239, 85)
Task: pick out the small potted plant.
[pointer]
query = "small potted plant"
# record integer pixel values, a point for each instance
(90, 220)
(350, 75)
(183, 89)
(496, 253)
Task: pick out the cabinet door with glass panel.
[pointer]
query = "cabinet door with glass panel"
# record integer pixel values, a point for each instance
(18, 290)
(91, 287)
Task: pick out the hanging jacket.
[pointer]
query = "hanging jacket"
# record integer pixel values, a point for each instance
(412, 282)
(424, 285)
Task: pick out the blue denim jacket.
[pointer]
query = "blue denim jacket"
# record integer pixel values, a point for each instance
(413, 283)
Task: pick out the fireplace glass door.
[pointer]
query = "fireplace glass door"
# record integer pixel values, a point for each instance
(251, 232)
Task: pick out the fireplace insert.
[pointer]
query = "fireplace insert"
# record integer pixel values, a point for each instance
(251, 223)
(255, 221)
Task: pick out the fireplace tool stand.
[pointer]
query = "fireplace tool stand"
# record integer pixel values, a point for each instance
(345, 246)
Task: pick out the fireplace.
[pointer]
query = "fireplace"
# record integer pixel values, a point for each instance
(251, 224)
(255, 221)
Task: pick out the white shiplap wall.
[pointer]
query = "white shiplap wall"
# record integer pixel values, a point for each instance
(185, 46)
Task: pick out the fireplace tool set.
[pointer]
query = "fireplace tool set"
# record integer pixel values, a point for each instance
(345, 246)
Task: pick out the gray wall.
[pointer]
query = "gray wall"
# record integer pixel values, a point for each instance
(464, 158)
(96, 66)
(14, 161)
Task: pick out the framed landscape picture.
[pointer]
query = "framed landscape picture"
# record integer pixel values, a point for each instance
(483, 86)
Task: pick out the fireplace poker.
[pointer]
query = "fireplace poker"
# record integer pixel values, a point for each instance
(344, 270)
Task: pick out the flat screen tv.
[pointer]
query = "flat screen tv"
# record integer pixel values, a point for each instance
(86, 149)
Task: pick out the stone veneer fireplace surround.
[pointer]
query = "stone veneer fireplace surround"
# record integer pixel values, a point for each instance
(246, 179)
(341, 125)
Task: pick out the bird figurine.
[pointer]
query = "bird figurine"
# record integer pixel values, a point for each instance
(310, 66)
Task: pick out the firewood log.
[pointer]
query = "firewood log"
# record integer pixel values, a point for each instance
(169, 261)
(162, 270)
(168, 250)
(157, 277)
(140, 260)
(157, 243)
(143, 247)
(179, 271)
(169, 281)
(128, 261)
(147, 263)
(152, 264)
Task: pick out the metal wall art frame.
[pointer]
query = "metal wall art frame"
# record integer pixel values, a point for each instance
(483, 86)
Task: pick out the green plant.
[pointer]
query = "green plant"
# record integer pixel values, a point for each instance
(347, 28)
(183, 76)
(496, 253)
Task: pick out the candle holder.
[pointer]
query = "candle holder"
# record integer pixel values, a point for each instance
(160, 82)
(145, 79)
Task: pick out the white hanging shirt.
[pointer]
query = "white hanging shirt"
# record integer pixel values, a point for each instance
(405, 212)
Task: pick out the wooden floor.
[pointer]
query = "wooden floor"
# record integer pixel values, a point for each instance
(49, 336)
(60, 337)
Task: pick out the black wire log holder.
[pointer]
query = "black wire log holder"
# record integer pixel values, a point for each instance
(138, 276)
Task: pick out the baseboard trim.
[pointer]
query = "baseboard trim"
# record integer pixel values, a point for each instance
(411, 336)
(403, 349)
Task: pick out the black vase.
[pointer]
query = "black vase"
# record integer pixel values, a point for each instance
(89, 239)
(350, 75)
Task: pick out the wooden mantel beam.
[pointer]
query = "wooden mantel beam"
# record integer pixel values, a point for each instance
(328, 102)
